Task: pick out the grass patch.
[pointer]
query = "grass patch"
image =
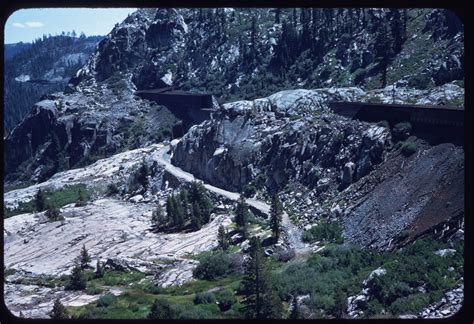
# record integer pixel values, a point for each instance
(117, 278)
(58, 198)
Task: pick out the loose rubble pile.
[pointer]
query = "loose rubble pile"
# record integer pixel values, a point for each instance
(449, 305)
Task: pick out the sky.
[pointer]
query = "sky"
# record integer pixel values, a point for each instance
(26, 25)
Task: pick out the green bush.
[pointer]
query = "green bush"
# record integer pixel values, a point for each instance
(204, 298)
(162, 309)
(401, 131)
(192, 312)
(214, 266)
(226, 299)
(409, 305)
(112, 189)
(340, 271)
(153, 289)
(383, 123)
(325, 231)
(92, 313)
(133, 307)
(409, 148)
(249, 190)
(93, 290)
(106, 300)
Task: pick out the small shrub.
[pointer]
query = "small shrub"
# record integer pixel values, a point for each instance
(383, 123)
(204, 298)
(142, 301)
(226, 299)
(93, 290)
(249, 190)
(409, 148)
(133, 307)
(286, 255)
(53, 214)
(112, 189)
(106, 300)
(214, 266)
(401, 131)
(409, 305)
(152, 289)
(161, 309)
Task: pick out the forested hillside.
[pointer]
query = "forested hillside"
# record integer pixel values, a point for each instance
(245, 54)
(42, 67)
(10, 50)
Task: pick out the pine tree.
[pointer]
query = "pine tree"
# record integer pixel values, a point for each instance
(253, 38)
(222, 238)
(183, 198)
(99, 271)
(384, 50)
(277, 15)
(142, 175)
(256, 282)
(59, 311)
(157, 218)
(276, 212)
(77, 280)
(40, 200)
(179, 212)
(241, 215)
(81, 195)
(271, 306)
(84, 258)
(196, 217)
(397, 29)
(170, 211)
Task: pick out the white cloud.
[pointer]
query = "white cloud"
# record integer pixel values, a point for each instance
(34, 24)
(18, 25)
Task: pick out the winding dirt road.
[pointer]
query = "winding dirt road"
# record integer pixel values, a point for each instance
(291, 233)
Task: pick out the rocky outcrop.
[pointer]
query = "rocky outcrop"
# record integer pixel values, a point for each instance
(289, 135)
(72, 130)
(354, 303)
(118, 170)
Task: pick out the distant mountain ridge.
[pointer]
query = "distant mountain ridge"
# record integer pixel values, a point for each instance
(51, 60)
(10, 50)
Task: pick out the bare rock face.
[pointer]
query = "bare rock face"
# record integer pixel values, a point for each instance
(404, 195)
(289, 135)
(348, 173)
(125, 234)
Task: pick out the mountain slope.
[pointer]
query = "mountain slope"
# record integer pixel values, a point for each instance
(231, 53)
(40, 68)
